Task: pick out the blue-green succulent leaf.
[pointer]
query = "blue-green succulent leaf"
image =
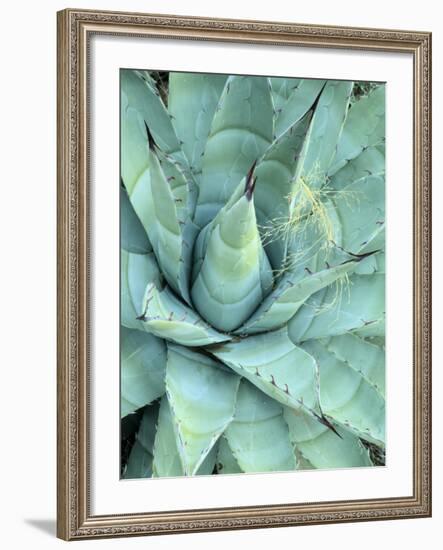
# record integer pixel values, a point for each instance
(141, 96)
(298, 103)
(291, 293)
(379, 341)
(134, 151)
(137, 271)
(347, 397)
(340, 309)
(141, 108)
(201, 243)
(208, 466)
(253, 323)
(241, 131)
(192, 101)
(364, 127)
(370, 162)
(276, 366)
(360, 207)
(199, 252)
(166, 457)
(321, 447)
(376, 329)
(258, 436)
(366, 358)
(139, 463)
(314, 235)
(275, 172)
(235, 274)
(202, 399)
(324, 130)
(164, 315)
(374, 263)
(141, 200)
(171, 229)
(132, 234)
(143, 368)
(302, 462)
(182, 186)
(281, 89)
(226, 462)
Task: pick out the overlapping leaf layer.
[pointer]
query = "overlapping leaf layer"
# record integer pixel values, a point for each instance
(252, 275)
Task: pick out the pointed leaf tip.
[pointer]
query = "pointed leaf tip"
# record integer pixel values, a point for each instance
(250, 181)
(317, 99)
(250, 189)
(151, 141)
(323, 420)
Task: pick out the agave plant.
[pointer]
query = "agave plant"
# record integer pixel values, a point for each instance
(252, 274)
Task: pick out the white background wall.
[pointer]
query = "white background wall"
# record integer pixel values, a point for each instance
(27, 125)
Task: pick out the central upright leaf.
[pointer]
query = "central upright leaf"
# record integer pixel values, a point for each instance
(235, 274)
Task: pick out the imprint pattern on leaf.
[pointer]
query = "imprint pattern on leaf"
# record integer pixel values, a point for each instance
(252, 274)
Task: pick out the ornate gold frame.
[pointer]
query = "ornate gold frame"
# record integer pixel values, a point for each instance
(75, 28)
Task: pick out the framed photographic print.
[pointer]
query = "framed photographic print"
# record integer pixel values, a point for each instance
(243, 274)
